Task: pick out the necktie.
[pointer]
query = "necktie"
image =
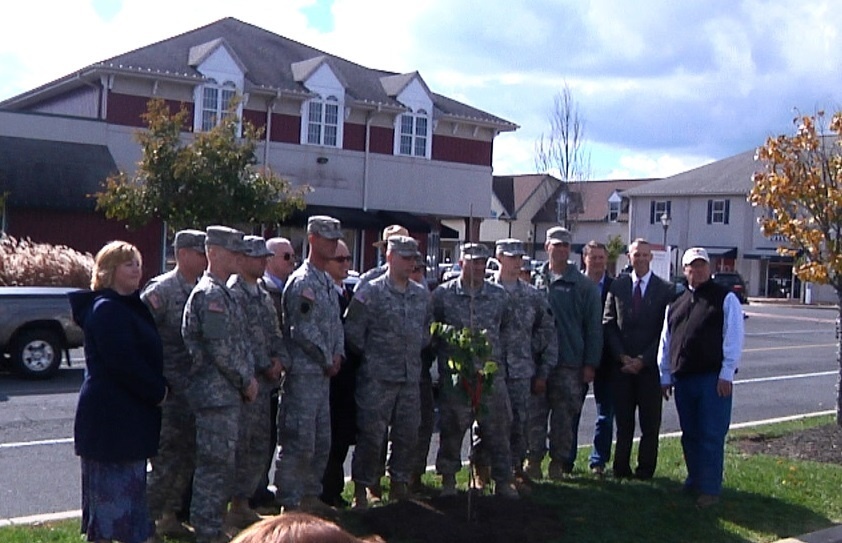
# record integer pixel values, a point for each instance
(637, 298)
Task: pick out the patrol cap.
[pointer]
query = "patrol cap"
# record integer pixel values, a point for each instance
(225, 237)
(403, 245)
(189, 239)
(474, 251)
(389, 231)
(510, 247)
(324, 226)
(256, 247)
(559, 234)
(694, 253)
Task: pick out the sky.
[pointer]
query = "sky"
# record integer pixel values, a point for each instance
(662, 86)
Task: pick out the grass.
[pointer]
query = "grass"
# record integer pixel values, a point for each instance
(765, 498)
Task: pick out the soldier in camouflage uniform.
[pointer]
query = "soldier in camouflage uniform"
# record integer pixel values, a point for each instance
(471, 301)
(267, 347)
(577, 309)
(316, 344)
(389, 320)
(377, 271)
(165, 296)
(221, 379)
(530, 355)
(426, 427)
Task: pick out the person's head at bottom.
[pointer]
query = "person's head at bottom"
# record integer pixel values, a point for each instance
(297, 528)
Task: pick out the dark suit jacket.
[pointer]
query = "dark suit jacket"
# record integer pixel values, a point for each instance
(606, 362)
(633, 335)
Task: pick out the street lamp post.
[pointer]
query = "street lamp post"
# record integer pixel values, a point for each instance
(665, 222)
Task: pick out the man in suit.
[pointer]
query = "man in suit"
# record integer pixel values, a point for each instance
(634, 313)
(343, 407)
(595, 255)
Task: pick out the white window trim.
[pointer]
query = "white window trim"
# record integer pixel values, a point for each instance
(340, 121)
(428, 148)
(199, 104)
(720, 212)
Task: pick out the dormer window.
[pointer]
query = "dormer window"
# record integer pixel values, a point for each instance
(323, 121)
(216, 100)
(414, 134)
(615, 206)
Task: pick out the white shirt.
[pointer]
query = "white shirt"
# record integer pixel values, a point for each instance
(732, 341)
(644, 281)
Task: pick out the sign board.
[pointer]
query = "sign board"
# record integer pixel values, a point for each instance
(660, 264)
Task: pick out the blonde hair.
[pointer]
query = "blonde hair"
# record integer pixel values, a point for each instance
(295, 528)
(107, 259)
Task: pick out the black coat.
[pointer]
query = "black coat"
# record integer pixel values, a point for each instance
(118, 418)
(630, 334)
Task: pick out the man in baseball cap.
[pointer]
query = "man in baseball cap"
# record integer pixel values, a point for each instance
(699, 354)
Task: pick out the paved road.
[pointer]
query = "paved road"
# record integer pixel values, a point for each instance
(789, 367)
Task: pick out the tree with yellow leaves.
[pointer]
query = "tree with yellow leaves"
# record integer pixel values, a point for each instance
(800, 188)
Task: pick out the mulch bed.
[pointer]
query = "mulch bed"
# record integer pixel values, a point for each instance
(445, 520)
(819, 444)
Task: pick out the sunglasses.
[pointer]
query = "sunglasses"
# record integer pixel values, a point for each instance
(341, 259)
(287, 256)
(417, 269)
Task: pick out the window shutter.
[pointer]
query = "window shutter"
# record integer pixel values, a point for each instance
(727, 210)
(710, 211)
(669, 208)
(652, 212)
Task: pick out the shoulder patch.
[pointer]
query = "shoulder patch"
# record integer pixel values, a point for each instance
(154, 300)
(308, 294)
(216, 307)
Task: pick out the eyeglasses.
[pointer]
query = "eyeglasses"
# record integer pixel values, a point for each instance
(287, 256)
(417, 269)
(341, 259)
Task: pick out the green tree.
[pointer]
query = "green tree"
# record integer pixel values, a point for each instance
(211, 179)
(614, 247)
(800, 190)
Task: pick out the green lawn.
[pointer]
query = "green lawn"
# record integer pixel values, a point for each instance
(765, 498)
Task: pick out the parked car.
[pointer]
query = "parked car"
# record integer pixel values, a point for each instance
(452, 273)
(734, 282)
(36, 327)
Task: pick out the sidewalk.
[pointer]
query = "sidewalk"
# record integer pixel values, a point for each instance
(787, 302)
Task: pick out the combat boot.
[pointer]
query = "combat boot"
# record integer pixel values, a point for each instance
(241, 516)
(169, 526)
(506, 490)
(361, 493)
(448, 484)
(533, 469)
(398, 491)
(482, 477)
(558, 472)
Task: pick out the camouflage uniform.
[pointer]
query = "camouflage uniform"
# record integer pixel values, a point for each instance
(391, 327)
(166, 295)
(452, 304)
(214, 333)
(577, 309)
(265, 343)
(531, 353)
(371, 275)
(313, 332)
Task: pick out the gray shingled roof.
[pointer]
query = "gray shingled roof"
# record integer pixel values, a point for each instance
(268, 59)
(730, 175)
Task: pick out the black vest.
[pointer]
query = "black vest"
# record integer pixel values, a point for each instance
(696, 322)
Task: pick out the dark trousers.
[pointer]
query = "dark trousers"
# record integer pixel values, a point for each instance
(639, 393)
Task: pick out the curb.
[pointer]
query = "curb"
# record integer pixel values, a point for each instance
(828, 535)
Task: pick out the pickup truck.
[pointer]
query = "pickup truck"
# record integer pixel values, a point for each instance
(36, 327)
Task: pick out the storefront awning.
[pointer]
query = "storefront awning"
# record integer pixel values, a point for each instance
(721, 252)
(766, 253)
(358, 219)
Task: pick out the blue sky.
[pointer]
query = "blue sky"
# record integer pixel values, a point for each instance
(663, 86)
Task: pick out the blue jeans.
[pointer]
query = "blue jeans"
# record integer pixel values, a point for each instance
(704, 417)
(604, 429)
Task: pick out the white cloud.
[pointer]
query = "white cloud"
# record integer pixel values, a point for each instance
(662, 85)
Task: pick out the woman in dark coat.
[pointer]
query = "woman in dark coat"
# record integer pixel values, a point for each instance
(118, 418)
